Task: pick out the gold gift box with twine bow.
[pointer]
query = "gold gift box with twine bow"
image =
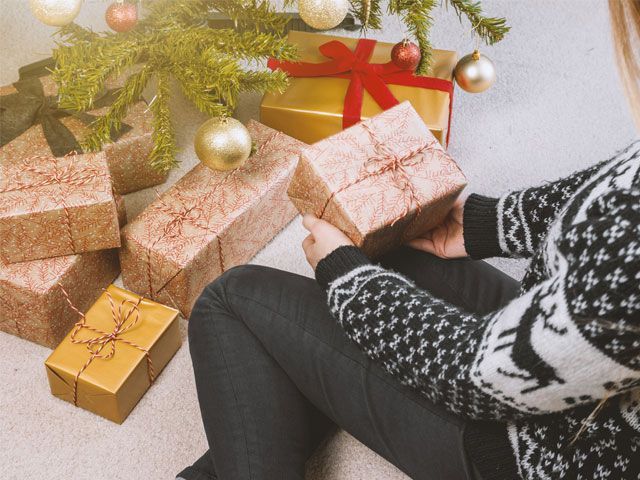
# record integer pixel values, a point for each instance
(113, 353)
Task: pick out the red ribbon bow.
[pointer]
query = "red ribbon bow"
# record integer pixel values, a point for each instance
(372, 77)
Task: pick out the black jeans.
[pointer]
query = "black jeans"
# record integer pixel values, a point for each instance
(275, 372)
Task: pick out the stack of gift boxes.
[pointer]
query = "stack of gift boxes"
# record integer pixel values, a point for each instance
(65, 236)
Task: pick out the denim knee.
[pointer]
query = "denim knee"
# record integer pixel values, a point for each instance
(214, 299)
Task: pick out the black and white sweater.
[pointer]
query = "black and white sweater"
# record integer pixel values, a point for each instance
(531, 374)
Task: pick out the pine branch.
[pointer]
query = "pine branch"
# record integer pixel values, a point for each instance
(163, 154)
(368, 12)
(102, 128)
(491, 29)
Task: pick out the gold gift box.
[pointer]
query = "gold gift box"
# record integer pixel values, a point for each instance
(111, 384)
(311, 108)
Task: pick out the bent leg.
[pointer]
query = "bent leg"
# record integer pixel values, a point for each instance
(267, 354)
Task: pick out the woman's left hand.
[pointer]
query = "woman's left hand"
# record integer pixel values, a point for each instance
(323, 239)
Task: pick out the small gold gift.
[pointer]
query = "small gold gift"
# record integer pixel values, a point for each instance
(114, 353)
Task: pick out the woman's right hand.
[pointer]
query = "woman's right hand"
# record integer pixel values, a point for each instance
(445, 240)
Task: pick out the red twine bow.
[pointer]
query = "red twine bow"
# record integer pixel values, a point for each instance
(191, 211)
(372, 77)
(124, 319)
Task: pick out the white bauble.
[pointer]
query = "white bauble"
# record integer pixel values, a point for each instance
(56, 13)
(323, 14)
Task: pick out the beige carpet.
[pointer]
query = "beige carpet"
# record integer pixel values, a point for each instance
(556, 107)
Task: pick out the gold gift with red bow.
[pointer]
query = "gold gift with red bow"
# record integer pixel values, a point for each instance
(343, 80)
(209, 221)
(383, 181)
(114, 353)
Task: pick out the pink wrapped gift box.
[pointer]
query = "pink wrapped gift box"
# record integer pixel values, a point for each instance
(382, 181)
(52, 207)
(210, 221)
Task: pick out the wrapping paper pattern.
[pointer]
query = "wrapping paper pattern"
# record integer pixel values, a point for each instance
(311, 109)
(114, 353)
(383, 181)
(127, 157)
(51, 207)
(31, 307)
(210, 221)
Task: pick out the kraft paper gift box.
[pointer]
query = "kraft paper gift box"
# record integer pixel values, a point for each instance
(55, 206)
(32, 305)
(210, 221)
(114, 353)
(383, 181)
(32, 124)
(311, 108)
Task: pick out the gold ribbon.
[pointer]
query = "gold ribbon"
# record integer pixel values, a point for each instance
(125, 315)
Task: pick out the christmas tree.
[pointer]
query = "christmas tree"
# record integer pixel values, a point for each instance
(212, 65)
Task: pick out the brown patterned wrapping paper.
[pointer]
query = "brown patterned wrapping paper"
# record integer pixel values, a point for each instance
(210, 221)
(51, 207)
(383, 181)
(31, 305)
(127, 157)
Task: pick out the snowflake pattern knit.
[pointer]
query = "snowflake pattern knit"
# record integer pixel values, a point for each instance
(561, 359)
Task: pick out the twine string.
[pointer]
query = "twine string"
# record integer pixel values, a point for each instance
(386, 161)
(195, 213)
(125, 315)
(60, 176)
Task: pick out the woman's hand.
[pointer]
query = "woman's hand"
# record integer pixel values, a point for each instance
(323, 239)
(445, 240)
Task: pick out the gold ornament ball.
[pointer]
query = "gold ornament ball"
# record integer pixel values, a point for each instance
(475, 72)
(323, 14)
(222, 143)
(56, 13)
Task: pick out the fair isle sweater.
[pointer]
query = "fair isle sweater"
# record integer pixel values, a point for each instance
(530, 375)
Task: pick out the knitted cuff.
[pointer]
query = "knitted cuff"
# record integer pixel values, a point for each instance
(342, 260)
(480, 227)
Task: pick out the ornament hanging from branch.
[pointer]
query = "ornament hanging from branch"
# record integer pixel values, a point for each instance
(121, 16)
(323, 14)
(475, 72)
(55, 13)
(222, 143)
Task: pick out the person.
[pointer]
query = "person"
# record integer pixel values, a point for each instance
(434, 359)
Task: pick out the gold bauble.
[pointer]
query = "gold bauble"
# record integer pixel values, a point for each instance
(56, 13)
(222, 143)
(475, 72)
(323, 14)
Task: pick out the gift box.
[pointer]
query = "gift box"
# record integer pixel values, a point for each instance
(33, 307)
(114, 353)
(383, 181)
(209, 221)
(56, 206)
(32, 124)
(340, 81)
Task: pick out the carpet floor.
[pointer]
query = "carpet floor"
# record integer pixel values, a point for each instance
(557, 106)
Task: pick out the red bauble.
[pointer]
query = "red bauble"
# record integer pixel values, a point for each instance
(406, 55)
(122, 17)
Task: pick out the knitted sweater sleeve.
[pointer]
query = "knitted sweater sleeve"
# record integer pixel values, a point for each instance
(570, 340)
(514, 224)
